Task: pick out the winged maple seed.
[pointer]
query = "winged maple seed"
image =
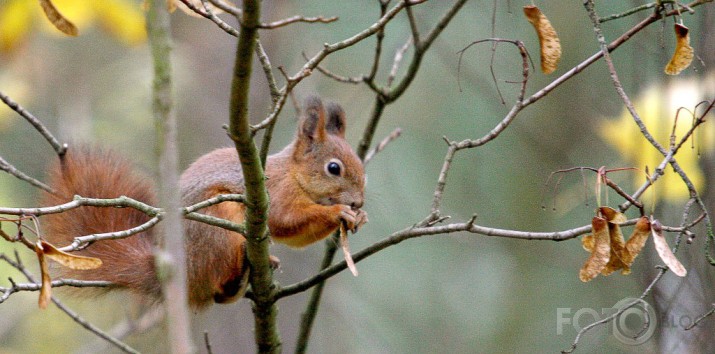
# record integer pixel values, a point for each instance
(46, 287)
(46, 250)
(617, 249)
(346, 248)
(548, 39)
(70, 260)
(683, 55)
(600, 250)
(664, 251)
(620, 254)
(635, 242)
(57, 20)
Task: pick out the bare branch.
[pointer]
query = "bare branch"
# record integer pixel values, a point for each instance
(296, 19)
(239, 198)
(336, 77)
(7, 167)
(17, 264)
(18, 287)
(81, 241)
(207, 13)
(275, 24)
(398, 60)
(701, 318)
(60, 149)
(313, 62)
(382, 145)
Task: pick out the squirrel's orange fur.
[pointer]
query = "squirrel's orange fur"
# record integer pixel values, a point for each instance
(315, 184)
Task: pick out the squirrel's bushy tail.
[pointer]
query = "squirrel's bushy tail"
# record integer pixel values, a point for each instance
(95, 173)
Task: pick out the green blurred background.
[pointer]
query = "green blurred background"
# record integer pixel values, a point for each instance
(457, 293)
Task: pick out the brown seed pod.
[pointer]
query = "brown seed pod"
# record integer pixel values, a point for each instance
(346, 249)
(683, 55)
(664, 251)
(617, 249)
(601, 251)
(70, 260)
(548, 39)
(635, 243)
(46, 287)
(56, 18)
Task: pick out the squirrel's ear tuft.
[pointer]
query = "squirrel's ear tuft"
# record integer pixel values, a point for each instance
(335, 124)
(313, 120)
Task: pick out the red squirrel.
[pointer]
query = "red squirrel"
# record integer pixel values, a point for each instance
(315, 183)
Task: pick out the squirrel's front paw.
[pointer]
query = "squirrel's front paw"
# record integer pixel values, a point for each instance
(353, 218)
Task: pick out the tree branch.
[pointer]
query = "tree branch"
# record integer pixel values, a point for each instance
(261, 278)
(171, 258)
(60, 149)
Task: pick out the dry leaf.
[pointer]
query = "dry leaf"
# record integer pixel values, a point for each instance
(587, 242)
(612, 215)
(617, 249)
(46, 287)
(635, 242)
(614, 218)
(59, 21)
(548, 39)
(683, 55)
(69, 260)
(601, 250)
(346, 249)
(664, 251)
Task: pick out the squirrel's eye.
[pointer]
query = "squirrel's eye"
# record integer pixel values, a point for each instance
(333, 168)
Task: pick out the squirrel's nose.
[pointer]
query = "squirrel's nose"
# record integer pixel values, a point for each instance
(356, 204)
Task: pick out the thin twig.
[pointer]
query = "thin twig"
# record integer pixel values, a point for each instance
(81, 241)
(18, 287)
(146, 321)
(700, 318)
(336, 77)
(419, 231)
(81, 201)
(235, 11)
(7, 167)
(328, 49)
(207, 342)
(60, 149)
(297, 19)
(628, 12)
(207, 13)
(239, 198)
(382, 145)
(399, 54)
(17, 264)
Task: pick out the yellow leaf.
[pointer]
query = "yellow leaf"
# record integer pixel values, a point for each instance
(548, 39)
(70, 260)
(123, 19)
(601, 250)
(657, 108)
(683, 55)
(56, 18)
(15, 23)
